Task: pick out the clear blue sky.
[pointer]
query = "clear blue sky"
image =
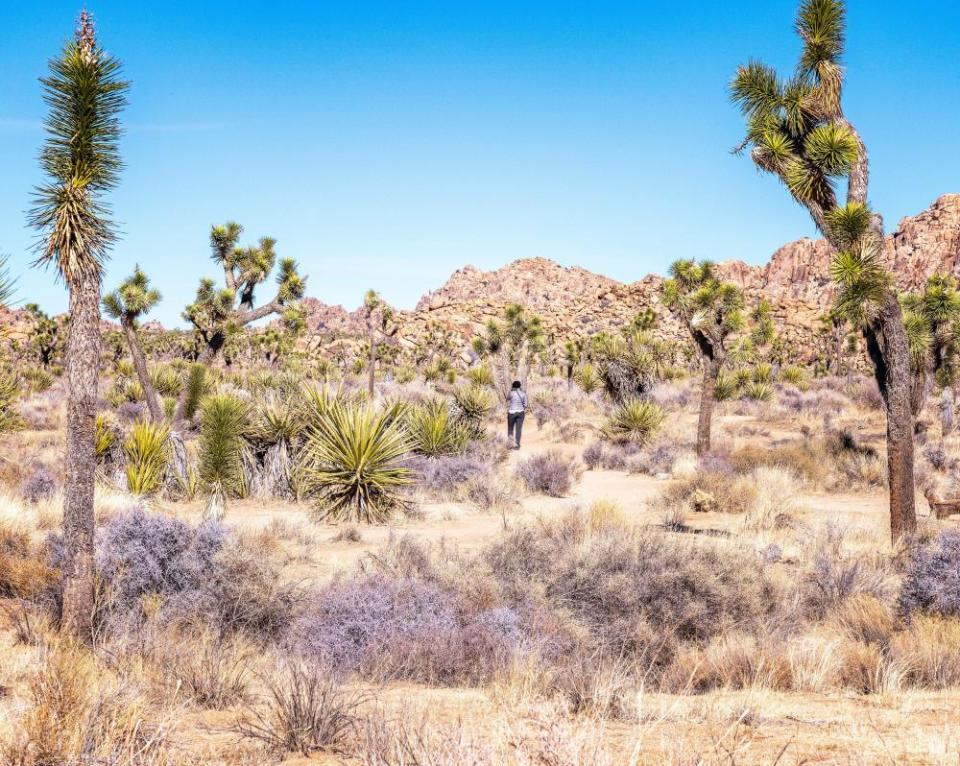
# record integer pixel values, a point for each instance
(386, 144)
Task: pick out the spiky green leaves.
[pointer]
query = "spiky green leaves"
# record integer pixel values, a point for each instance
(820, 24)
(6, 282)
(352, 463)
(848, 224)
(756, 89)
(224, 422)
(634, 420)
(711, 309)
(862, 281)
(81, 157)
(291, 285)
(147, 451)
(132, 299)
(831, 148)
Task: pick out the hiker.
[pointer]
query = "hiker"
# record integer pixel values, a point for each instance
(516, 408)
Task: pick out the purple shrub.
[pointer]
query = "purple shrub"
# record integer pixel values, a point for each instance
(551, 473)
(593, 456)
(38, 485)
(659, 460)
(403, 628)
(445, 474)
(670, 397)
(931, 582)
(140, 554)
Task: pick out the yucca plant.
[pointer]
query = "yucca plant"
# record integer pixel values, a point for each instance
(435, 430)
(762, 373)
(9, 394)
(81, 162)
(276, 424)
(794, 375)
(635, 420)
(473, 405)
(726, 387)
(480, 376)
(105, 437)
(587, 378)
(223, 425)
(352, 463)
(758, 391)
(147, 452)
(166, 380)
(193, 392)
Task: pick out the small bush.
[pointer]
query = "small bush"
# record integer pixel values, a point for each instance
(38, 485)
(593, 456)
(758, 391)
(305, 711)
(435, 430)
(550, 473)
(931, 582)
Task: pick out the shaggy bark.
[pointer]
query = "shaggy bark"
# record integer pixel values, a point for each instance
(143, 374)
(83, 363)
(946, 412)
(889, 351)
(711, 372)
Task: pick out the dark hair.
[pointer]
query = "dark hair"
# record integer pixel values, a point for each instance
(516, 384)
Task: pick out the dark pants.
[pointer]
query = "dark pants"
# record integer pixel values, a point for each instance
(515, 424)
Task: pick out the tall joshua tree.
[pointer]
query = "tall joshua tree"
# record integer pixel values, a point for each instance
(797, 130)
(378, 315)
(511, 346)
(81, 161)
(128, 303)
(712, 311)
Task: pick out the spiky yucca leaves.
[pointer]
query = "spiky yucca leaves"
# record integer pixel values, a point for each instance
(224, 422)
(9, 394)
(276, 424)
(634, 420)
(480, 375)
(587, 378)
(105, 437)
(629, 365)
(6, 282)
(758, 390)
(166, 380)
(473, 405)
(352, 463)
(932, 320)
(726, 387)
(132, 299)
(147, 452)
(435, 430)
(194, 390)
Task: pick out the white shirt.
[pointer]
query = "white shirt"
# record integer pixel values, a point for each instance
(516, 402)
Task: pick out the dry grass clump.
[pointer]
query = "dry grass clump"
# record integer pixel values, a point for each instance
(710, 491)
(24, 573)
(550, 473)
(76, 713)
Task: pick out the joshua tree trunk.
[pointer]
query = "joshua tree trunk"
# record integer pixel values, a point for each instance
(371, 366)
(889, 351)
(140, 364)
(711, 371)
(83, 363)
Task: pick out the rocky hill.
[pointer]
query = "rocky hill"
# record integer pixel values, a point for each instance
(575, 302)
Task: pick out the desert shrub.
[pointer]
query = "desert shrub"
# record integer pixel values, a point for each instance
(805, 458)
(593, 455)
(670, 397)
(446, 475)
(762, 372)
(473, 404)
(23, 571)
(550, 473)
(834, 576)
(305, 711)
(866, 393)
(931, 580)
(710, 491)
(634, 420)
(616, 583)
(403, 628)
(211, 669)
(147, 452)
(654, 462)
(75, 714)
(39, 484)
(353, 463)
(435, 430)
(929, 652)
(481, 375)
(773, 499)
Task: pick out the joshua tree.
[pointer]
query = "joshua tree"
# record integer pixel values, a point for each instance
(712, 311)
(572, 354)
(217, 313)
(128, 303)
(6, 282)
(378, 316)
(932, 318)
(511, 346)
(45, 337)
(81, 160)
(797, 130)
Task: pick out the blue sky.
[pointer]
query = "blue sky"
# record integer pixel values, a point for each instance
(385, 144)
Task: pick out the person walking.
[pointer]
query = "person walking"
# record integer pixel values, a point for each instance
(516, 409)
